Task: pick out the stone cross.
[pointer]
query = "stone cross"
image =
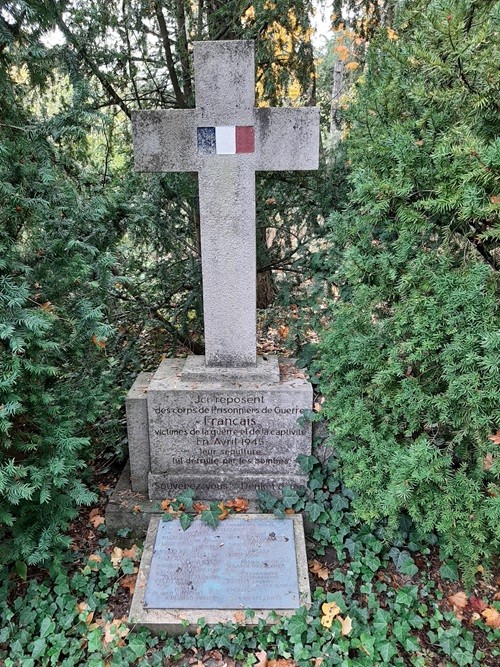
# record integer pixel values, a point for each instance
(226, 140)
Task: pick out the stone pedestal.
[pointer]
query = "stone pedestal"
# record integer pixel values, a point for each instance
(224, 432)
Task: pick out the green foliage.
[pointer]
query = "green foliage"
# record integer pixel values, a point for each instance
(55, 377)
(409, 366)
(66, 620)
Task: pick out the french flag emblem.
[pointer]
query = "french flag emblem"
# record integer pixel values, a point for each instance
(226, 140)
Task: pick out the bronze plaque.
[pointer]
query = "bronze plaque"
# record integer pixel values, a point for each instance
(239, 565)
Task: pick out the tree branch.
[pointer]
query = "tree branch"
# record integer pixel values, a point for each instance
(181, 103)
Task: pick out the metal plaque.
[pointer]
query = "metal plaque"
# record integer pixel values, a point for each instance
(242, 564)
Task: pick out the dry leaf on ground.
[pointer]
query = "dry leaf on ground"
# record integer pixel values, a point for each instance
(239, 616)
(346, 625)
(129, 582)
(238, 504)
(458, 601)
(492, 617)
(319, 569)
(131, 553)
(330, 610)
(116, 556)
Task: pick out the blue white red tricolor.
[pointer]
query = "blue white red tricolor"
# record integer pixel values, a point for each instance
(226, 140)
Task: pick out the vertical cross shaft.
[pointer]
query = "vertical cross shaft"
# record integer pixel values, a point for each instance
(225, 139)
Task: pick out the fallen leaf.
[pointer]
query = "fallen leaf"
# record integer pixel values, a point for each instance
(392, 34)
(47, 307)
(290, 511)
(129, 582)
(98, 342)
(199, 507)
(346, 625)
(495, 199)
(319, 569)
(103, 487)
(317, 662)
(130, 553)
(458, 601)
(114, 630)
(281, 662)
(350, 67)
(98, 521)
(261, 659)
(95, 558)
(116, 556)
(238, 504)
(495, 438)
(283, 331)
(492, 617)
(239, 616)
(330, 610)
(488, 461)
(165, 504)
(224, 512)
(137, 509)
(477, 604)
(82, 606)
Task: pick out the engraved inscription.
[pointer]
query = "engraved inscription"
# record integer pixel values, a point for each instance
(245, 431)
(239, 565)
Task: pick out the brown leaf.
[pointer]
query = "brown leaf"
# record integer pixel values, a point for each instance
(199, 507)
(82, 606)
(281, 662)
(224, 512)
(98, 342)
(238, 504)
(283, 331)
(488, 461)
(477, 604)
(495, 199)
(492, 617)
(130, 553)
(290, 511)
(495, 438)
(319, 569)
(261, 659)
(47, 307)
(114, 630)
(97, 521)
(129, 582)
(458, 601)
(317, 662)
(239, 616)
(136, 509)
(95, 558)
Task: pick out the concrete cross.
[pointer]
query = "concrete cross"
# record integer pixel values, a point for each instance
(226, 140)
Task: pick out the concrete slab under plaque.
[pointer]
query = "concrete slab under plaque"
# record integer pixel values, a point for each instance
(245, 563)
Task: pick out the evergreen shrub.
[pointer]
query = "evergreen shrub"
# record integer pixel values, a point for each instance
(409, 366)
(55, 377)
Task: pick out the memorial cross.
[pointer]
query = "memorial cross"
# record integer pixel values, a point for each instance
(226, 140)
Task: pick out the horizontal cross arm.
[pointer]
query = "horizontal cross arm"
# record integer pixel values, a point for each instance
(165, 140)
(287, 138)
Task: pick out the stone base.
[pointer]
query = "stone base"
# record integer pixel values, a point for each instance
(225, 432)
(178, 621)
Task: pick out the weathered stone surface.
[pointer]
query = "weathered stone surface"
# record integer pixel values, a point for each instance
(266, 370)
(138, 432)
(227, 436)
(186, 140)
(176, 620)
